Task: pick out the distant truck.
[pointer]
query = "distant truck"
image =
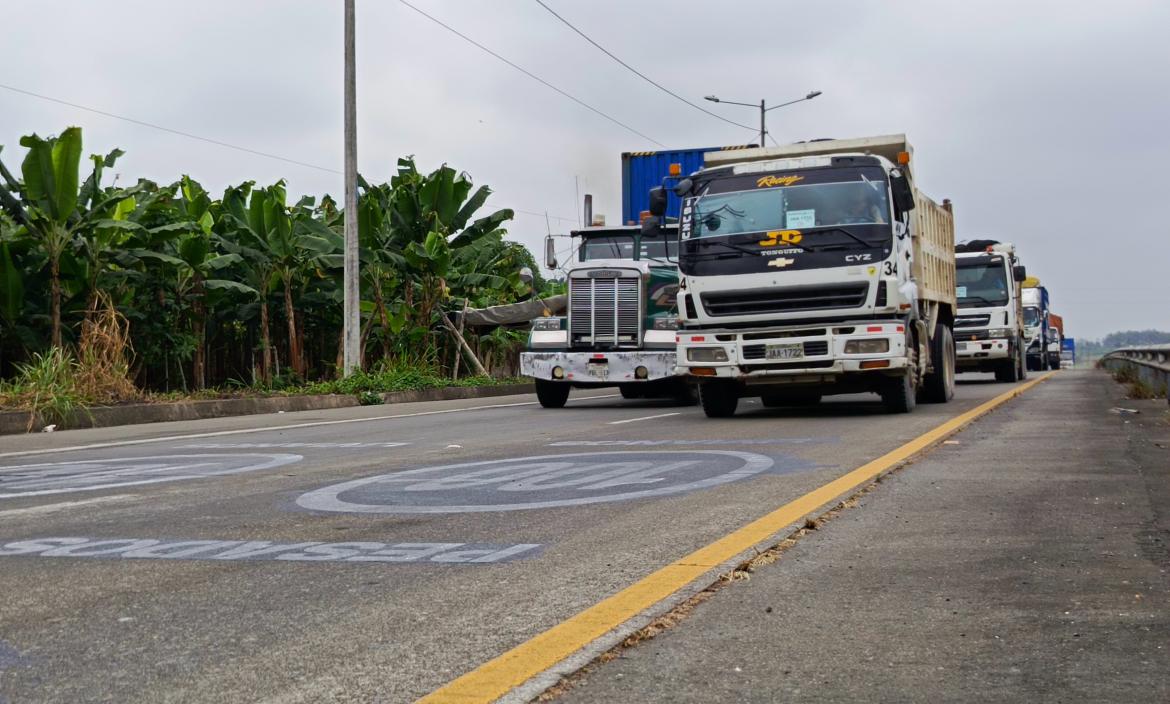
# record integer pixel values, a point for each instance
(1068, 353)
(1055, 339)
(813, 269)
(621, 319)
(1036, 325)
(989, 331)
(642, 171)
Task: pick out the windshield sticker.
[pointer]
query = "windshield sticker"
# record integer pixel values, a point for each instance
(770, 181)
(775, 237)
(961, 291)
(801, 218)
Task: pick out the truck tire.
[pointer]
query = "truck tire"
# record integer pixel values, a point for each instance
(939, 385)
(631, 391)
(806, 398)
(551, 394)
(1011, 370)
(899, 396)
(719, 399)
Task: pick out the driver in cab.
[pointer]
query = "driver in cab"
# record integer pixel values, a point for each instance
(860, 207)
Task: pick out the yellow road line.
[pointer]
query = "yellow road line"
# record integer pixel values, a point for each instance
(497, 677)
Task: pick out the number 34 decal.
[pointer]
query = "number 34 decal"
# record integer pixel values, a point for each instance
(890, 268)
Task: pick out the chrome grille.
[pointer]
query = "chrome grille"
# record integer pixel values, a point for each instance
(972, 321)
(605, 312)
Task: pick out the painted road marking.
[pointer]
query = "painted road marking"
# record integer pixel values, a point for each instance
(291, 426)
(288, 445)
(676, 442)
(52, 508)
(635, 420)
(363, 552)
(90, 475)
(545, 481)
(530, 659)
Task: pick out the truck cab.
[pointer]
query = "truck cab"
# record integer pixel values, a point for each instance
(989, 330)
(619, 328)
(1036, 325)
(814, 269)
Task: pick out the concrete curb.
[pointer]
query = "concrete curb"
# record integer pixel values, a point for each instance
(16, 422)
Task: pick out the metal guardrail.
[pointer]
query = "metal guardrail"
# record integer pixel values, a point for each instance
(1150, 364)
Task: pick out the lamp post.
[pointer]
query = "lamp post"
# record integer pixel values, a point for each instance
(764, 109)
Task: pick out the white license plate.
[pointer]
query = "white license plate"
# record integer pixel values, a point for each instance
(599, 371)
(795, 351)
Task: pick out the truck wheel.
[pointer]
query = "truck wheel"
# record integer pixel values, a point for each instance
(807, 398)
(630, 391)
(551, 394)
(1010, 370)
(719, 399)
(939, 385)
(899, 396)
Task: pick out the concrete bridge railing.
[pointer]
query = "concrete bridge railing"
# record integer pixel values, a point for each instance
(1149, 365)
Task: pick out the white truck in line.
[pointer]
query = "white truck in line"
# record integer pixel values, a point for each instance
(812, 269)
(989, 330)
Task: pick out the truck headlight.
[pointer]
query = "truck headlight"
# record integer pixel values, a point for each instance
(999, 332)
(666, 324)
(867, 346)
(546, 324)
(706, 354)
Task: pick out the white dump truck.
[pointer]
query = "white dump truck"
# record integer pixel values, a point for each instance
(812, 269)
(989, 330)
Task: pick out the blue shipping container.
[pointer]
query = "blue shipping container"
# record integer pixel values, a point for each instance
(642, 171)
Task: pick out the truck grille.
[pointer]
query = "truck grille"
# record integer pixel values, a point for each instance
(785, 300)
(604, 312)
(812, 348)
(972, 321)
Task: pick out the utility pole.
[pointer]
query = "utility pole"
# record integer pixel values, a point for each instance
(763, 129)
(352, 360)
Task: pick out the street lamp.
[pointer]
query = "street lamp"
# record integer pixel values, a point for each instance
(764, 109)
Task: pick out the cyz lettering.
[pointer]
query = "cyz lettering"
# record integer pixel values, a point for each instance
(858, 257)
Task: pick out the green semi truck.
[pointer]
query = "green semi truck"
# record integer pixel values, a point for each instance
(620, 321)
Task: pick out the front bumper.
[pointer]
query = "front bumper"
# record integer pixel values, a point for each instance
(599, 367)
(822, 352)
(982, 350)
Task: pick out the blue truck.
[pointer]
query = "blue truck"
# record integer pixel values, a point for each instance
(642, 171)
(1068, 352)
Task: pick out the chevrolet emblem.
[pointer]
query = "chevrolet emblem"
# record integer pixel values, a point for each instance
(781, 262)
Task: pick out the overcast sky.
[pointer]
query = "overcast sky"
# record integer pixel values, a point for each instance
(1046, 123)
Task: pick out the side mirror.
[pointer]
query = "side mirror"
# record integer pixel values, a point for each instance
(682, 189)
(651, 227)
(658, 201)
(550, 253)
(1019, 273)
(901, 190)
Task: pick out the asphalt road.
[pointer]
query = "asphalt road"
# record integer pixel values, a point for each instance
(1027, 560)
(375, 553)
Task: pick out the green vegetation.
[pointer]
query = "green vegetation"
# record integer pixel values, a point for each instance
(1092, 349)
(111, 292)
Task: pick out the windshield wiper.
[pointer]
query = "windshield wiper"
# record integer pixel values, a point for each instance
(845, 232)
(980, 299)
(721, 243)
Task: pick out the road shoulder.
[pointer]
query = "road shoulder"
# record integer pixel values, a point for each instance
(1024, 560)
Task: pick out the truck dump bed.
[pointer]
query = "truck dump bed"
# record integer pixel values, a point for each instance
(934, 224)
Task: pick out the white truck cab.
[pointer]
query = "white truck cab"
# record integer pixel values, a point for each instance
(989, 330)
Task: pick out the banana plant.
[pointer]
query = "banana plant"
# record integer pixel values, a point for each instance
(52, 205)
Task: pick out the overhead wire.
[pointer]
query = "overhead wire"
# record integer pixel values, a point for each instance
(531, 75)
(208, 140)
(638, 73)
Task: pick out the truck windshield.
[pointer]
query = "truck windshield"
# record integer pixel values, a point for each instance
(662, 247)
(1031, 316)
(792, 207)
(981, 284)
(608, 247)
